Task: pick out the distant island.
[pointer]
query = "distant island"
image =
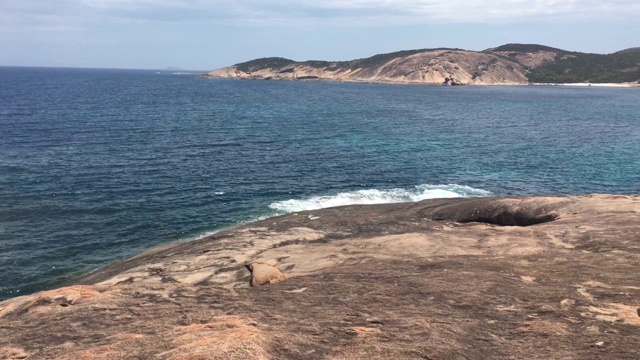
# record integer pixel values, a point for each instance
(511, 64)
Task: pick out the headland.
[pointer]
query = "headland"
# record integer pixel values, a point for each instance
(510, 64)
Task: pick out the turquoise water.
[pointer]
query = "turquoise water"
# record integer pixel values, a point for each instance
(98, 165)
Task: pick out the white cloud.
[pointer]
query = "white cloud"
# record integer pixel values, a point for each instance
(483, 11)
(74, 13)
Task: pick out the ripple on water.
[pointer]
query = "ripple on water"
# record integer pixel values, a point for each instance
(97, 165)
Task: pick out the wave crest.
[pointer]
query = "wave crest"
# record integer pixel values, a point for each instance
(377, 196)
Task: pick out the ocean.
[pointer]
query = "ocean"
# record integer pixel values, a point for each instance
(99, 165)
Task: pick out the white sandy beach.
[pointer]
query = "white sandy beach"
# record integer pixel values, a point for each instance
(591, 84)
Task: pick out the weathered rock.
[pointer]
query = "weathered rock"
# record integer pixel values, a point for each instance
(40, 302)
(265, 273)
(525, 277)
(8, 353)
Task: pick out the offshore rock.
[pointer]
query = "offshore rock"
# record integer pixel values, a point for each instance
(525, 277)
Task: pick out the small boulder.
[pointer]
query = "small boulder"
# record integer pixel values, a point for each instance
(265, 273)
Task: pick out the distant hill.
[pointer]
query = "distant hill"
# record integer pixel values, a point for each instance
(574, 67)
(523, 48)
(635, 50)
(502, 65)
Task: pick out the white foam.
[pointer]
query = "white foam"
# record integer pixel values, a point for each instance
(377, 196)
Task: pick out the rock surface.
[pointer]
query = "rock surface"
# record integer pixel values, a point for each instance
(265, 273)
(534, 278)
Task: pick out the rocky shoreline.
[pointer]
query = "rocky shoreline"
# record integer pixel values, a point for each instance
(527, 277)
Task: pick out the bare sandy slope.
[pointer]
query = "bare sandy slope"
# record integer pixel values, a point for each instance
(526, 278)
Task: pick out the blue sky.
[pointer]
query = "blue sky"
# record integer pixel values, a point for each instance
(208, 34)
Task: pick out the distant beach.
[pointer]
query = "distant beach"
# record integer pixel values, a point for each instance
(589, 84)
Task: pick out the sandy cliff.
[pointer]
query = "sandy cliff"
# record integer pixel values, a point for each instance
(535, 278)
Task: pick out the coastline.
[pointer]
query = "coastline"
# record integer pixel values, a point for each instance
(599, 85)
(620, 85)
(357, 81)
(486, 277)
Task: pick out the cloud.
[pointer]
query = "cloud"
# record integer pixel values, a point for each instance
(77, 13)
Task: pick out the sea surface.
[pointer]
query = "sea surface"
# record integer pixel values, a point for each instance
(99, 165)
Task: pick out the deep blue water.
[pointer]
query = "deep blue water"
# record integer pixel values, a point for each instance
(98, 165)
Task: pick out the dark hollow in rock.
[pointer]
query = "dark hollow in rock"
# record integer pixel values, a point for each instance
(491, 211)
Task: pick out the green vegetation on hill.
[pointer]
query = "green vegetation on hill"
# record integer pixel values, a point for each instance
(572, 67)
(635, 50)
(264, 63)
(317, 63)
(524, 48)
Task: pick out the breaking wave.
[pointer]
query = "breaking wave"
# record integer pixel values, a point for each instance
(377, 196)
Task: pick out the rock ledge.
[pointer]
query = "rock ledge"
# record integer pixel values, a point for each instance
(528, 277)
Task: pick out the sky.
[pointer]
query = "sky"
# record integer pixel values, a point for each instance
(209, 34)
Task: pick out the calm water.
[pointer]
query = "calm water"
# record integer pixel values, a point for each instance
(97, 165)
